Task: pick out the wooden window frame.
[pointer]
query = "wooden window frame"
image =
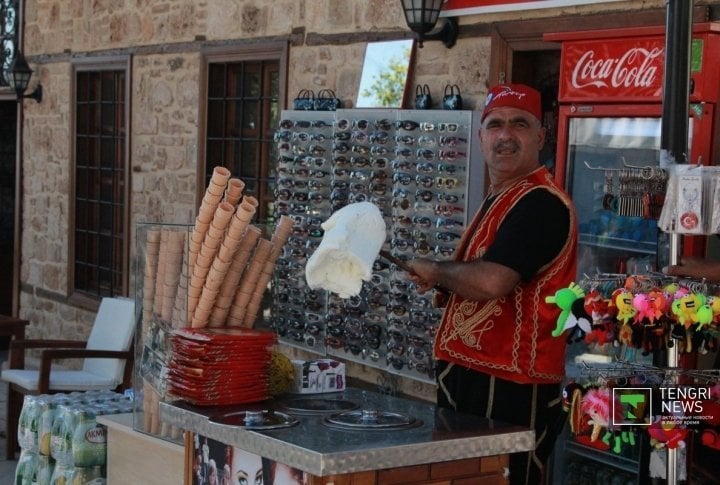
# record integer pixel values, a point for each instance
(112, 63)
(266, 51)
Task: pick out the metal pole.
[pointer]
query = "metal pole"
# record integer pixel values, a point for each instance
(676, 81)
(674, 133)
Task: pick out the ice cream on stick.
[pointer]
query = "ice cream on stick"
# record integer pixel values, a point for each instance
(344, 259)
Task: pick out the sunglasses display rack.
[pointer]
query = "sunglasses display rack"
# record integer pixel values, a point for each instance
(415, 167)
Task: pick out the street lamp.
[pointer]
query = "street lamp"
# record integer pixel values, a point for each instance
(422, 15)
(20, 74)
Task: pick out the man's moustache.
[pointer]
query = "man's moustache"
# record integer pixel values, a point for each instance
(505, 145)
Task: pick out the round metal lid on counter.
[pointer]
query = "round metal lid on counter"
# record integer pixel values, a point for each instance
(369, 419)
(256, 420)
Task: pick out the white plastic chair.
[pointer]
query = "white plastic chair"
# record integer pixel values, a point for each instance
(108, 362)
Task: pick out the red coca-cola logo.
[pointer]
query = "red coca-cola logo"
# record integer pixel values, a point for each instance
(612, 70)
(635, 68)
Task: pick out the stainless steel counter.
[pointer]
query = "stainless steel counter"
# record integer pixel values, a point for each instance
(322, 450)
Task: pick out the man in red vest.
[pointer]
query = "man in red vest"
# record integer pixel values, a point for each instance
(495, 353)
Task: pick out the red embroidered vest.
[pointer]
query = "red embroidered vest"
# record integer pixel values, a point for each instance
(510, 337)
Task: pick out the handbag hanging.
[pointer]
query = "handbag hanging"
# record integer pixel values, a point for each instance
(305, 100)
(423, 99)
(452, 99)
(327, 101)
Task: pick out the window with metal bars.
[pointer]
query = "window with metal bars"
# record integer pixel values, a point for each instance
(9, 27)
(242, 114)
(100, 234)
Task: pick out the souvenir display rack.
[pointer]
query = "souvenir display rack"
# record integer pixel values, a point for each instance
(647, 321)
(415, 167)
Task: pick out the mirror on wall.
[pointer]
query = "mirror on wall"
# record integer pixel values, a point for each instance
(385, 73)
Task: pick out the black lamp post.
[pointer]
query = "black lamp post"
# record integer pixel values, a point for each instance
(20, 74)
(422, 15)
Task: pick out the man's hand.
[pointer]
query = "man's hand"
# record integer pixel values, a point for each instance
(693, 267)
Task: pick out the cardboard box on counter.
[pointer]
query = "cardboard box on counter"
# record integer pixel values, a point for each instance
(316, 376)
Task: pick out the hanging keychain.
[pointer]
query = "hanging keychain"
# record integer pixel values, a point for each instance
(609, 199)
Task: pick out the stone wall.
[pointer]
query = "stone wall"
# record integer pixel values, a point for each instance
(164, 39)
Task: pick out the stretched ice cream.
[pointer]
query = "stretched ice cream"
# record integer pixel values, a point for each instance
(351, 243)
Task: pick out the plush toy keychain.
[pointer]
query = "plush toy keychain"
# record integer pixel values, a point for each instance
(704, 315)
(685, 308)
(643, 308)
(596, 404)
(714, 302)
(660, 303)
(667, 434)
(624, 304)
(602, 319)
(571, 301)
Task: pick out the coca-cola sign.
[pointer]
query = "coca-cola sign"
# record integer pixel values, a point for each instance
(611, 70)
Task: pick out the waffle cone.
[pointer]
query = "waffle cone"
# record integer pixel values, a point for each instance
(227, 249)
(160, 277)
(251, 276)
(220, 175)
(216, 275)
(234, 190)
(179, 319)
(212, 241)
(253, 310)
(282, 233)
(152, 256)
(256, 298)
(207, 209)
(234, 273)
(200, 318)
(218, 181)
(203, 261)
(246, 210)
(233, 321)
(215, 189)
(207, 300)
(192, 302)
(222, 216)
(279, 238)
(173, 272)
(239, 222)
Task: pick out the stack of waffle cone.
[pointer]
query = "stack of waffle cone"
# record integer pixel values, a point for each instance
(160, 276)
(152, 255)
(173, 270)
(211, 200)
(279, 238)
(222, 276)
(250, 278)
(228, 286)
(199, 307)
(179, 318)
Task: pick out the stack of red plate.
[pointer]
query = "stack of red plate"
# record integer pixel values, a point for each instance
(220, 366)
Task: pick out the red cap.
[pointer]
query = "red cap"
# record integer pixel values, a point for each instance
(513, 96)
